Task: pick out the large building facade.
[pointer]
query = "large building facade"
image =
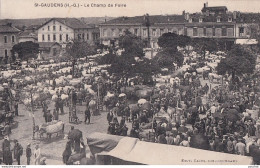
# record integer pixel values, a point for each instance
(64, 30)
(8, 38)
(211, 22)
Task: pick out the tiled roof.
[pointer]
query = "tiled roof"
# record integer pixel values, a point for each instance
(248, 18)
(153, 19)
(8, 29)
(27, 34)
(70, 22)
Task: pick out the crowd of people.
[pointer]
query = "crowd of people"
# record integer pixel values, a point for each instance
(184, 109)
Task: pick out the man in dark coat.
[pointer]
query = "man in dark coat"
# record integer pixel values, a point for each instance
(28, 153)
(87, 115)
(16, 108)
(162, 139)
(49, 116)
(67, 152)
(18, 151)
(110, 116)
(6, 145)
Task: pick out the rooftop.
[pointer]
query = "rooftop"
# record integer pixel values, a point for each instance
(73, 23)
(153, 19)
(8, 29)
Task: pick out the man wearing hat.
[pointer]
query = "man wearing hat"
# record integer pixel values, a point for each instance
(18, 151)
(28, 153)
(6, 145)
(49, 116)
(170, 139)
(240, 147)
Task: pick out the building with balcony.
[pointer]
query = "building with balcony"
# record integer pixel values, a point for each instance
(148, 28)
(212, 22)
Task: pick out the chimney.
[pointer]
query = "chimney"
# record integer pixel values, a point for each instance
(183, 13)
(235, 15)
(204, 5)
(187, 16)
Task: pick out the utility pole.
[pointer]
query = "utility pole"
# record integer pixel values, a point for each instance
(147, 24)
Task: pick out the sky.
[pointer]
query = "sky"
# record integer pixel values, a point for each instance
(25, 9)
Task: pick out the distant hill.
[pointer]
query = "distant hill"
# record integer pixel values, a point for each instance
(19, 23)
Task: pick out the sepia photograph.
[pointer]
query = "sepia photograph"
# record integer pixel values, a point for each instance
(130, 82)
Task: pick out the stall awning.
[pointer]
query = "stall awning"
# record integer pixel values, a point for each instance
(132, 150)
(246, 41)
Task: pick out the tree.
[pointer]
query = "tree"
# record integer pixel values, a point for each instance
(202, 45)
(79, 49)
(167, 57)
(26, 50)
(131, 62)
(131, 44)
(170, 54)
(238, 61)
(106, 59)
(255, 34)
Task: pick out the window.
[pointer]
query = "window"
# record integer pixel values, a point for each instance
(79, 36)
(113, 32)
(54, 28)
(87, 36)
(120, 31)
(5, 39)
(190, 32)
(209, 32)
(241, 29)
(200, 32)
(54, 37)
(144, 32)
(218, 19)
(43, 37)
(161, 31)
(154, 32)
(60, 28)
(67, 37)
(13, 39)
(200, 20)
(104, 32)
(135, 31)
(230, 32)
(60, 37)
(48, 28)
(229, 19)
(6, 53)
(83, 36)
(190, 20)
(49, 37)
(218, 32)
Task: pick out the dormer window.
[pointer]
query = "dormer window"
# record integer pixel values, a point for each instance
(200, 20)
(230, 19)
(190, 20)
(218, 19)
